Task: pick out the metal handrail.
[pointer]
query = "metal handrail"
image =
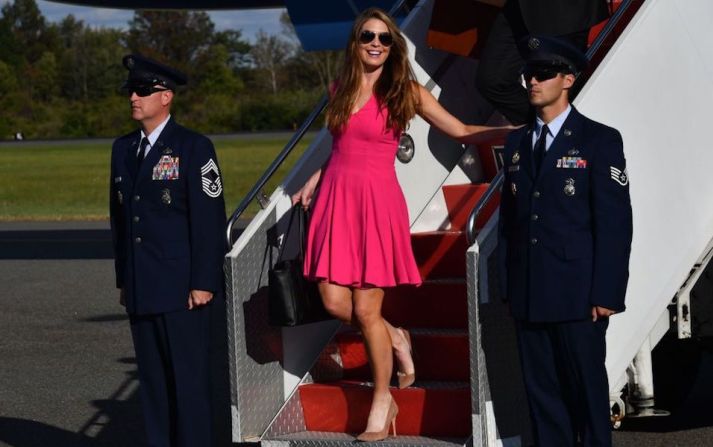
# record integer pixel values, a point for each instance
(275, 165)
(496, 183)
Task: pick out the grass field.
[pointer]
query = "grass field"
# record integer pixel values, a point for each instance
(70, 182)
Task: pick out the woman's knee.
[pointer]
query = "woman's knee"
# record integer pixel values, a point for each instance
(367, 314)
(336, 303)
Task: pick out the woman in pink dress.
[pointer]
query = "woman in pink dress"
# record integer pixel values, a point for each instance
(358, 240)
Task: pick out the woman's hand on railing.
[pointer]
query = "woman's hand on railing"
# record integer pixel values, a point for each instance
(304, 195)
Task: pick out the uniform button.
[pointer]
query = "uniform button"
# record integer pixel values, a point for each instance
(533, 241)
(536, 194)
(534, 217)
(137, 198)
(136, 218)
(138, 240)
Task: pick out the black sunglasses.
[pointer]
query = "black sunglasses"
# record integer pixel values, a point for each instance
(539, 73)
(142, 90)
(367, 36)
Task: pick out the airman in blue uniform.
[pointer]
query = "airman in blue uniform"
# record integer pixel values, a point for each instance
(168, 220)
(565, 234)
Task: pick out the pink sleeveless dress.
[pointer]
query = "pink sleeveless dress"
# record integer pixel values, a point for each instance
(358, 234)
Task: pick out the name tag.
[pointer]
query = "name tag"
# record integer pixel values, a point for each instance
(513, 168)
(166, 168)
(571, 163)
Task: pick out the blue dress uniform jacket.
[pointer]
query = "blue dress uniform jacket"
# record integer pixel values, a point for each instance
(167, 220)
(565, 234)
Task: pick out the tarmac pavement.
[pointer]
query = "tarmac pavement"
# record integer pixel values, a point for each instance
(68, 374)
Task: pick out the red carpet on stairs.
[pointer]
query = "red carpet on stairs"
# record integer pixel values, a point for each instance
(438, 404)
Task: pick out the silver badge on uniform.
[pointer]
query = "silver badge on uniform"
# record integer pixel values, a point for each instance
(573, 151)
(120, 197)
(619, 176)
(210, 178)
(516, 157)
(513, 188)
(569, 187)
(567, 132)
(166, 196)
(533, 43)
(167, 150)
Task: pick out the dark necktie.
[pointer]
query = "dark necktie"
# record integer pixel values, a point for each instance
(141, 153)
(541, 148)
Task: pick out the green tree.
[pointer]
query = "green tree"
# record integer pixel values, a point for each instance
(308, 65)
(25, 21)
(216, 74)
(43, 77)
(270, 53)
(238, 49)
(8, 80)
(90, 60)
(174, 37)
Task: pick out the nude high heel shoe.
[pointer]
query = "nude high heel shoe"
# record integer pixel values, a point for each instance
(370, 436)
(406, 380)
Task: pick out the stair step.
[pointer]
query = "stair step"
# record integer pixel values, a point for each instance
(438, 355)
(460, 201)
(332, 439)
(440, 409)
(440, 254)
(436, 304)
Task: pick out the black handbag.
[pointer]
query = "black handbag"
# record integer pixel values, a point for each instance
(292, 299)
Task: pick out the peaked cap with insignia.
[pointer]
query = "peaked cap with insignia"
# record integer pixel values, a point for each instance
(553, 52)
(143, 70)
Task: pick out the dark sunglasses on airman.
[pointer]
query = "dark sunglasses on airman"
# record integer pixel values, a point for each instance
(539, 73)
(142, 90)
(367, 36)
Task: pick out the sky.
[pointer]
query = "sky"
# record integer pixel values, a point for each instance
(249, 21)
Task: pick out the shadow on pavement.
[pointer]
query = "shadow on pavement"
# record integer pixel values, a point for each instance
(56, 244)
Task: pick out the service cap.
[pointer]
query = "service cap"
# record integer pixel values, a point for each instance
(143, 70)
(553, 52)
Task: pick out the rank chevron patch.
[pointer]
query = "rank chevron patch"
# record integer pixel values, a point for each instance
(210, 178)
(619, 176)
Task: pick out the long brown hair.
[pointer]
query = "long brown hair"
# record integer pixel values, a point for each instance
(393, 89)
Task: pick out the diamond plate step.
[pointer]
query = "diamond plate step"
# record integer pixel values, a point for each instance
(438, 355)
(428, 409)
(440, 254)
(330, 439)
(460, 201)
(436, 304)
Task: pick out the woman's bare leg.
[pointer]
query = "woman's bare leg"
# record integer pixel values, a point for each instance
(367, 315)
(337, 301)
(402, 350)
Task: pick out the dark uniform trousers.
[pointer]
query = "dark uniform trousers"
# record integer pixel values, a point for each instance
(498, 76)
(168, 222)
(564, 241)
(566, 381)
(172, 354)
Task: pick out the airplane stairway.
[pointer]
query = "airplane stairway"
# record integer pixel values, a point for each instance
(333, 402)
(281, 397)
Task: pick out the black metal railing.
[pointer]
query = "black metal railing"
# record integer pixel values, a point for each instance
(256, 191)
(625, 10)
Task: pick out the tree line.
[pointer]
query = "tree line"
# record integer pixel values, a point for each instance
(62, 79)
